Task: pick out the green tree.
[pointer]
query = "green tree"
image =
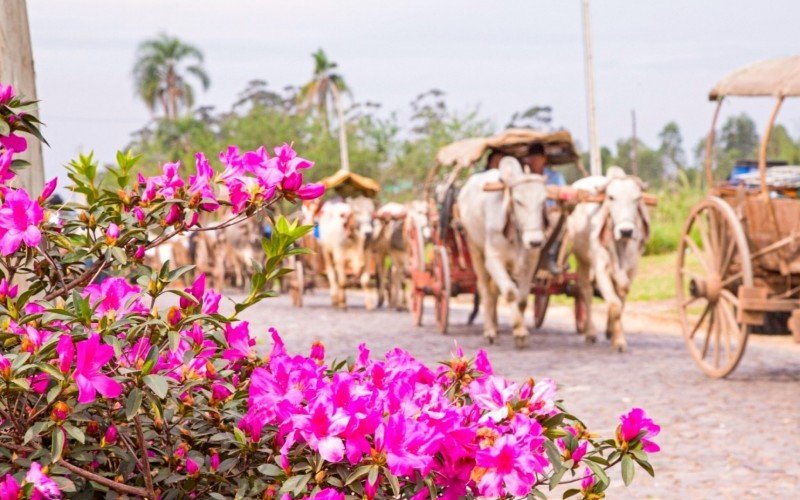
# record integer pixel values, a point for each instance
(161, 72)
(327, 85)
(671, 148)
(781, 146)
(739, 136)
(534, 117)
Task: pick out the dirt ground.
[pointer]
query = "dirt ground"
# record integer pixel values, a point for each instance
(733, 438)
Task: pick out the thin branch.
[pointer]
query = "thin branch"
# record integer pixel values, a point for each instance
(148, 478)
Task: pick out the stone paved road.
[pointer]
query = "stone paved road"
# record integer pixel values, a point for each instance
(734, 438)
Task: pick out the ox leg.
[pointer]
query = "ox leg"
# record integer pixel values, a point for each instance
(333, 281)
(366, 282)
(614, 325)
(586, 290)
(340, 264)
(484, 285)
(518, 312)
(496, 268)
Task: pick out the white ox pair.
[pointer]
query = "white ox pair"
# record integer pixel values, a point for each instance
(505, 231)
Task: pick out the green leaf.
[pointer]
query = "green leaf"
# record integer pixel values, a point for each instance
(372, 476)
(571, 492)
(393, 482)
(57, 444)
(553, 455)
(158, 384)
(75, 432)
(644, 464)
(22, 383)
(357, 474)
(133, 403)
(627, 469)
(602, 477)
(270, 470)
(295, 484)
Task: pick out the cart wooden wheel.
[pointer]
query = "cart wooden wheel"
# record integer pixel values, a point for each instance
(540, 303)
(713, 261)
(298, 286)
(416, 260)
(441, 274)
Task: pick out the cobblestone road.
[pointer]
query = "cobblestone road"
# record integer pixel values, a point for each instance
(734, 438)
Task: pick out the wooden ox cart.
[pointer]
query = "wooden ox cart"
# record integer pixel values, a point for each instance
(739, 253)
(441, 268)
(310, 268)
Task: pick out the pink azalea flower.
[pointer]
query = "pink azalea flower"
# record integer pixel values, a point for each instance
(6, 93)
(214, 461)
(19, 222)
(92, 357)
(115, 295)
(219, 392)
(33, 338)
(633, 423)
(14, 142)
(492, 393)
(408, 445)
(588, 480)
(43, 486)
(66, 353)
(329, 494)
(174, 215)
(39, 382)
(321, 429)
(510, 468)
(139, 253)
(170, 182)
(48, 189)
(7, 291)
(111, 435)
(240, 342)
(200, 184)
(318, 351)
(9, 487)
(482, 363)
(6, 158)
(310, 191)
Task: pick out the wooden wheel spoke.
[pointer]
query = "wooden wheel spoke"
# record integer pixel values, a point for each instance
(725, 263)
(705, 232)
(699, 254)
(732, 279)
(713, 233)
(717, 337)
(700, 321)
(691, 300)
(708, 335)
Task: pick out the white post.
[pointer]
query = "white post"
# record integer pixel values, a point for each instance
(595, 167)
(16, 68)
(343, 153)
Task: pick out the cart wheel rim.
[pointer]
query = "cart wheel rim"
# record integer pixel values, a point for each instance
(441, 270)
(713, 261)
(540, 303)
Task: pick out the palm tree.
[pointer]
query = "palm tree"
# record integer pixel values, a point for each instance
(326, 84)
(162, 65)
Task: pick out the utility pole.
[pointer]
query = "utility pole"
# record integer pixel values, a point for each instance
(16, 68)
(344, 157)
(595, 166)
(634, 146)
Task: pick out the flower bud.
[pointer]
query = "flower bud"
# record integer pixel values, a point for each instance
(110, 436)
(60, 412)
(191, 467)
(92, 222)
(174, 315)
(112, 234)
(123, 196)
(139, 253)
(93, 428)
(214, 461)
(5, 368)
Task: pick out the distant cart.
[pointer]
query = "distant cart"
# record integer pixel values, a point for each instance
(739, 253)
(309, 268)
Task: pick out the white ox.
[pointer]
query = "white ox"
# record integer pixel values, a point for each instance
(607, 240)
(390, 240)
(505, 230)
(345, 231)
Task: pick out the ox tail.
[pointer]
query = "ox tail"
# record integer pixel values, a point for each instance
(476, 305)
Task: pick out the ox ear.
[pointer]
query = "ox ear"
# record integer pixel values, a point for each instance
(644, 215)
(510, 170)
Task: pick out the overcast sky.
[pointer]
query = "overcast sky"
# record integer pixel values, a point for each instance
(657, 57)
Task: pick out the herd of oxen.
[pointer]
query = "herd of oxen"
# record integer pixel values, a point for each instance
(358, 243)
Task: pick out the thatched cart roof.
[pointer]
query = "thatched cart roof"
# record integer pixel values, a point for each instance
(348, 184)
(558, 147)
(775, 77)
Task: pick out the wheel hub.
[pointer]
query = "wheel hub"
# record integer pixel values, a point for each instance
(708, 288)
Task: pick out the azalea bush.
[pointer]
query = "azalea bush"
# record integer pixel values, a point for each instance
(114, 381)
